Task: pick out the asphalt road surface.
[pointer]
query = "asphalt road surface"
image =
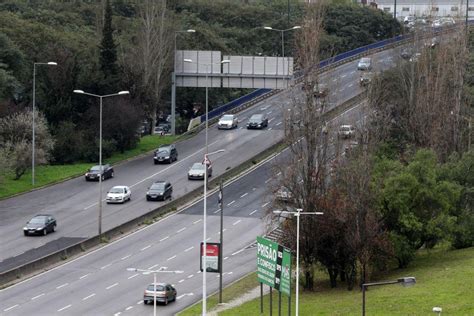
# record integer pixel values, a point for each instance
(74, 202)
(99, 283)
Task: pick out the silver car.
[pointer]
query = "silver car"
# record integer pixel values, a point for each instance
(227, 121)
(197, 171)
(365, 64)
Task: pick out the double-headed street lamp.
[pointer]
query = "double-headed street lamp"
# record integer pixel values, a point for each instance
(173, 83)
(51, 63)
(406, 281)
(205, 162)
(148, 271)
(100, 146)
(296, 27)
(297, 214)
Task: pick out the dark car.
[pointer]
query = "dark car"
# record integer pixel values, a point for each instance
(159, 191)
(96, 171)
(258, 121)
(41, 224)
(166, 153)
(165, 293)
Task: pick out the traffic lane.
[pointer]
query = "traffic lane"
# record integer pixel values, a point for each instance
(84, 222)
(173, 222)
(113, 281)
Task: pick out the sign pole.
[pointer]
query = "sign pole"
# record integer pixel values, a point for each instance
(279, 303)
(289, 304)
(261, 298)
(271, 301)
(221, 206)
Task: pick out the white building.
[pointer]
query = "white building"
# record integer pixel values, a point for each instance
(435, 8)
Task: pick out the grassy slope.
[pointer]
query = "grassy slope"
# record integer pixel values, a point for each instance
(444, 278)
(49, 174)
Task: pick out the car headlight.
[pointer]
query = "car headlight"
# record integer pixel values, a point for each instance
(167, 157)
(259, 125)
(25, 228)
(39, 228)
(148, 193)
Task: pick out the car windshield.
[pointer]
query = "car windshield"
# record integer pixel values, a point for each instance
(345, 128)
(163, 151)
(159, 287)
(256, 118)
(197, 166)
(116, 190)
(227, 117)
(95, 169)
(158, 186)
(38, 220)
(365, 60)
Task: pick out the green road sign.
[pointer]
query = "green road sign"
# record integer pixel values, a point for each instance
(274, 265)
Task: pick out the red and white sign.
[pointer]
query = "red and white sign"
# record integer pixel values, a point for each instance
(212, 257)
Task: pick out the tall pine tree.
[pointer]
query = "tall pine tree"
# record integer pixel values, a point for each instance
(108, 51)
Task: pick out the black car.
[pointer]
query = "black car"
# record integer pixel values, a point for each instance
(159, 190)
(41, 224)
(166, 153)
(95, 172)
(258, 121)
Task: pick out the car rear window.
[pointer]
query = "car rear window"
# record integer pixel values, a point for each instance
(158, 288)
(158, 186)
(116, 190)
(38, 220)
(227, 117)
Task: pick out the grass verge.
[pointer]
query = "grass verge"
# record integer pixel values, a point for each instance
(444, 278)
(50, 174)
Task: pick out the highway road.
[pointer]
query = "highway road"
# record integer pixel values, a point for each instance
(74, 202)
(98, 283)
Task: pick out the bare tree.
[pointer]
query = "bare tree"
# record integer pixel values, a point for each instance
(304, 174)
(150, 58)
(15, 141)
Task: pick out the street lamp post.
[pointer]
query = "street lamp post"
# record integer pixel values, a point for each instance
(100, 145)
(283, 46)
(33, 141)
(297, 214)
(406, 281)
(146, 272)
(173, 83)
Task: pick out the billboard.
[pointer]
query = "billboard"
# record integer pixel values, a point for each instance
(274, 265)
(212, 257)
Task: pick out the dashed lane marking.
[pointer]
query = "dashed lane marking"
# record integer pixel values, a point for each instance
(181, 281)
(145, 248)
(162, 239)
(11, 307)
(171, 258)
(195, 222)
(186, 250)
(253, 212)
(84, 276)
(111, 286)
(37, 296)
(131, 277)
(128, 308)
(181, 230)
(243, 195)
(265, 204)
(63, 308)
(231, 203)
(106, 266)
(88, 297)
(237, 222)
(62, 285)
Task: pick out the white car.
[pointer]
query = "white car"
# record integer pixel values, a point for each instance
(346, 131)
(227, 121)
(364, 64)
(118, 194)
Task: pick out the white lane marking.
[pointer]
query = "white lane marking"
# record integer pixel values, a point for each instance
(62, 285)
(230, 272)
(231, 203)
(152, 267)
(237, 222)
(65, 307)
(265, 204)
(208, 239)
(131, 277)
(350, 85)
(271, 119)
(190, 276)
(195, 222)
(343, 76)
(127, 256)
(279, 173)
(278, 123)
(269, 112)
(106, 266)
(11, 307)
(268, 180)
(352, 72)
(84, 276)
(181, 281)
(181, 230)
(215, 212)
(145, 248)
(139, 302)
(162, 239)
(111, 286)
(117, 314)
(198, 272)
(128, 308)
(237, 252)
(88, 207)
(88, 297)
(186, 250)
(270, 129)
(243, 195)
(171, 258)
(253, 212)
(226, 258)
(37, 296)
